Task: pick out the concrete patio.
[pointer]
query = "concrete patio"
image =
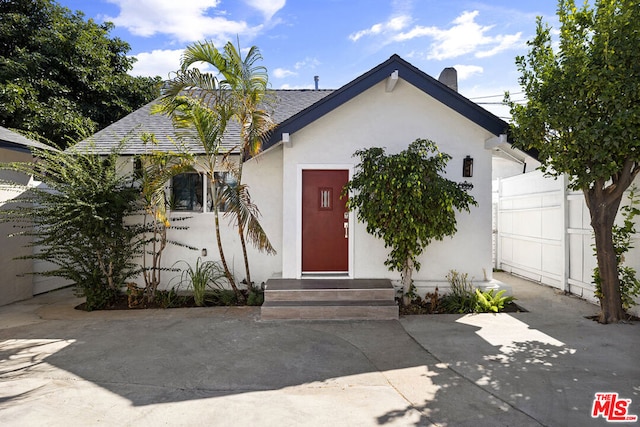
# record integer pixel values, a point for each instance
(225, 367)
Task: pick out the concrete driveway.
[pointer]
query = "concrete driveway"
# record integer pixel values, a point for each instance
(224, 367)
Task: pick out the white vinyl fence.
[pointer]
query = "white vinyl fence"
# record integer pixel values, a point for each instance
(542, 231)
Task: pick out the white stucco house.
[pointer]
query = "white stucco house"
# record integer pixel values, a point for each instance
(297, 179)
(17, 283)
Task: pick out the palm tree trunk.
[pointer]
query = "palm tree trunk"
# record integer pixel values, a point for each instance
(223, 259)
(244, 253)
(241, 229)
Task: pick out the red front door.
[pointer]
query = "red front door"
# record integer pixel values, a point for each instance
(325, 233)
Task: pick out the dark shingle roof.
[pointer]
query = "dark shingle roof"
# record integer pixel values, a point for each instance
(293, 110)
(287, 103)
(17, 142)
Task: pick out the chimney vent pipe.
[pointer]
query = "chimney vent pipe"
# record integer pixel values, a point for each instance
(449, 77)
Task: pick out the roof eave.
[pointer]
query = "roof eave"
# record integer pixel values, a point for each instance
(408, 72)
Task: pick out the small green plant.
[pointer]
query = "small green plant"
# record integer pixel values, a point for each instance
(622, 236)
(461, 298)
(169, 299)
(223, 297)
(201, 277)
(487, 302)
(256, 296)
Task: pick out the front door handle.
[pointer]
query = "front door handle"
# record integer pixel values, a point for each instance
(346, 230)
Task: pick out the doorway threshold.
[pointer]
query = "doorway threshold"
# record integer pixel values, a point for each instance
(325, 275)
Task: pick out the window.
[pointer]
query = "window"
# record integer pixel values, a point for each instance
(188, 193)
(223, 179)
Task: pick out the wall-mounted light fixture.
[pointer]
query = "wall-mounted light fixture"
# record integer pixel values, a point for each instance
(204, 252)
(465, 186)
(467, 167)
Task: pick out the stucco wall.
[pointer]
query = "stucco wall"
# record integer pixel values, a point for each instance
(15, 282)
(393, 120)
(263, 175)
(374, 118)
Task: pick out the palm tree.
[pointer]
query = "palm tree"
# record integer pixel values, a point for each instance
(209, 125)
(241, 91)
(157, 169)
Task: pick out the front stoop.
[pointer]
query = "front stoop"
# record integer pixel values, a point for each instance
(329, 299)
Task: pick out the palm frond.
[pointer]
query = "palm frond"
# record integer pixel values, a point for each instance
(246, 214)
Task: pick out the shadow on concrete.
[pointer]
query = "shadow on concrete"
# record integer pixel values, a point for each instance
(521, 369)
(548, 371)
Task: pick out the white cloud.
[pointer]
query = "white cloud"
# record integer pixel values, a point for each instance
(289, 87)
(158, 63)
(467, 71)
(281, 73)
(267, 7)
(463, 37)
(394, 24)
(307, 63)
(185, 21)
(505, 42)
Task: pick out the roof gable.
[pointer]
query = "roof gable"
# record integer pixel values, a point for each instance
(407, 72)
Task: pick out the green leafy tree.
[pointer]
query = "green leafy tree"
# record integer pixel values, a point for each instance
(63, 78)
(77, 220)
(622, 243)
(239, 93)
(583, 116)
(404, 200)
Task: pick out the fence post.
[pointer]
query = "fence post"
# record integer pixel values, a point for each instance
(566, 247)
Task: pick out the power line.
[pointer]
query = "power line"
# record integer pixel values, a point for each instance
(501, 103)
(493, 96)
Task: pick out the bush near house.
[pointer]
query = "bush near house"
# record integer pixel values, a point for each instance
(462, 298)
(404, 200)
(78, 217)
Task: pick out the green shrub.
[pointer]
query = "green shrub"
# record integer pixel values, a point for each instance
(223, 297)
(487, 302)
(201, 278)
(77, 220)
(169, 299)
(256, 296)
(461, 298)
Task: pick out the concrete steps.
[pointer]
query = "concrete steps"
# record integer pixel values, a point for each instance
(329, 299)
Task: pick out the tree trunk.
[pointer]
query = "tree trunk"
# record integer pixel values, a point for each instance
(223, 260)
(603, 209)
(243, 244)
(407, 275)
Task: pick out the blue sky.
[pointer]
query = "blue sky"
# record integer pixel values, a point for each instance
(337, 40)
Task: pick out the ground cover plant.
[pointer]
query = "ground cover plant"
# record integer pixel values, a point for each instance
(462, 298)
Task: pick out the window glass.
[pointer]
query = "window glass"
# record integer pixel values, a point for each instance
(187, 192)
(222, 180)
